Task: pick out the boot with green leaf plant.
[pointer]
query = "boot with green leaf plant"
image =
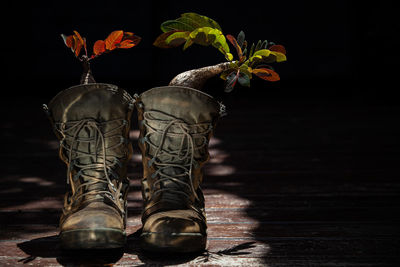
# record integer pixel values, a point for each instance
(176, 123)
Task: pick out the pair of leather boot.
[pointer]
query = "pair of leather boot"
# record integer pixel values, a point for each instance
(92, 122)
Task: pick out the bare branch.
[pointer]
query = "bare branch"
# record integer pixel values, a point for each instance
(197, 77)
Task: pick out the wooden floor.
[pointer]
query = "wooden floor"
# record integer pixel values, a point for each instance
(290, 183)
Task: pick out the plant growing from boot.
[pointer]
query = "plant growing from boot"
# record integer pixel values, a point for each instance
(192, 28)
(115, 40)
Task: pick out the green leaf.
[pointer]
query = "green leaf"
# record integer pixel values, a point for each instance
(251, 50)
(188, 43)
(161, 40)
(227, 72)
(264, 44)
(245, 52)
(231, 80)
(255, 61)
(209, 36)
(258, 46)
(233, 66)
(262, 52)
(244, 79)
(280, 57)
(173, 25)
(177, 38)
(244, 68)
(244, 48)
(190, 22)
(203, 36)
(240, 39)
(265, 56)
(201, 21)
(221, 44)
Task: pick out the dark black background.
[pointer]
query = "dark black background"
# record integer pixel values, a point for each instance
(336, 50)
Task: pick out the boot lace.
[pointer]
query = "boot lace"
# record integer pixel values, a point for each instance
(78, 158)
(191, 138)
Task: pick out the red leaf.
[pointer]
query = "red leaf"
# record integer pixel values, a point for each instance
(99, 47)
(80, 39)
(126, 44)
(128, 35)
(236, 45)
(132, 37)
(113, 39)
(278, 48)
(266, 74)
(78, 36)
(68, 40)
(77, 46)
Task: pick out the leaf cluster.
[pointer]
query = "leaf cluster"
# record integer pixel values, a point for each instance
(192, 28)
(254, 61)
(115, 40)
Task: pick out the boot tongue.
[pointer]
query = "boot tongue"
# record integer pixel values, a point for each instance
(101, 102)
(175, 150)
(90, 165)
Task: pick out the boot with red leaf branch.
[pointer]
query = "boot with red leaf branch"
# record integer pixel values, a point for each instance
(115, 40)
(92, 122)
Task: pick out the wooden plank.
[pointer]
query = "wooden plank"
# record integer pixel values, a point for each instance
(221, 252)
(217, 213)
(237, 230)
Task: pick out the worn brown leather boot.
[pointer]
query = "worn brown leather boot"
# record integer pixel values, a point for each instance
(92, 122)
(176, 124)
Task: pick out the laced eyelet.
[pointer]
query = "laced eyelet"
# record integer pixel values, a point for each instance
(143, 140)
(181, 159)
(151, 162)
(101, 161)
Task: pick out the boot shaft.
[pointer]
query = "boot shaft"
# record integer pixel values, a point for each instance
(92, 122)
(176, 124)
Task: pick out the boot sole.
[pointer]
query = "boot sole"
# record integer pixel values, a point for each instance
(173, 242)
(99, 238)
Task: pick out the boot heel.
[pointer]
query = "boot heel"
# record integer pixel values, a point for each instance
(106, 238)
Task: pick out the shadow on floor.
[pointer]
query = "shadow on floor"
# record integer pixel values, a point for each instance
(49, 247)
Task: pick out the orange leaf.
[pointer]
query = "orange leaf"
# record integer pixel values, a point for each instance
(266, 74)
(68, 40)
(80, 39)
(132, 37)
(128, 35)
(99, 47)
(77, 46)
(126, 44)
(278, 48)
(113, 39)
